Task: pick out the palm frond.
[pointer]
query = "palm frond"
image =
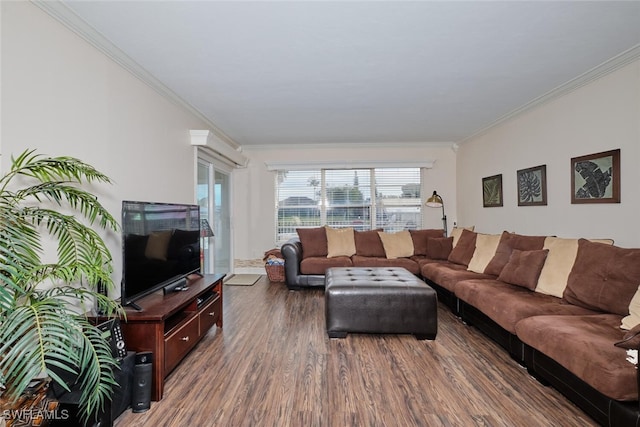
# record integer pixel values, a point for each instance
(41, 330)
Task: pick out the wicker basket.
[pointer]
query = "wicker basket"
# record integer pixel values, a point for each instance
(275, 272)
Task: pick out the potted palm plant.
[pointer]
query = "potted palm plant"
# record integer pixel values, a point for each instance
(43, 327)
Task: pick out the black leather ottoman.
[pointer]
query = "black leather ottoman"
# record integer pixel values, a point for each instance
(383, 300)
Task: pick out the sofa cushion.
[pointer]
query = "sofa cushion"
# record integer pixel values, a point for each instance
(507, 304)
(340, 242)
(509, 242)
(318, 265)
(486, 245)
(555, 273)
(397, 245)
(584, 345)
(408, 263)
(603, 277)
(368, 243)
(447, 274)
(523, 268)
(463, 250)
(313, 241)
(420, 239)
(439, 248)
(456, 232)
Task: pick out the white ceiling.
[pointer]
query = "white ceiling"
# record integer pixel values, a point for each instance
(295, 72)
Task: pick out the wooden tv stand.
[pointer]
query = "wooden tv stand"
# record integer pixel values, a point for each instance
(170, 325)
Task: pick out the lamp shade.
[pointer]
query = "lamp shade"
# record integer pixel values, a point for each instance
(205, 228)
(435, 201)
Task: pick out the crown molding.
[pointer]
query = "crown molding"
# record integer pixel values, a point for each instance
(348, 164)
(607, 67)
(354, 145)
(66, 16)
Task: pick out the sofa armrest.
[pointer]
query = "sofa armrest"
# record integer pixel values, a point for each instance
(292, 254)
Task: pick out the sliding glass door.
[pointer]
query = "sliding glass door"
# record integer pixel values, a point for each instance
(213, 192)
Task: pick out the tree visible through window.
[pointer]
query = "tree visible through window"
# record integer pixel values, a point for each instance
(365, 199)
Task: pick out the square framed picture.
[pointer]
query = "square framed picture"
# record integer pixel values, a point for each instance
(492, 191)
(532, 186)
(596, 178)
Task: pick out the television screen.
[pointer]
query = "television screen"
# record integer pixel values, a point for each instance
(160, 245)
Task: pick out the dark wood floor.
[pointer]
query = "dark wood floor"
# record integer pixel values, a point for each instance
(273, 365)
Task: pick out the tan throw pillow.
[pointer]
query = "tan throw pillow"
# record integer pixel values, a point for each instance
(456, 232)
(397, 245)
(340, 242)
(555, 273)
(523, 268)
(486, 245)
(157, 245)
(603, 278)
(633, 319)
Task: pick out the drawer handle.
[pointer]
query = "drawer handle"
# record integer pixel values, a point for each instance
(186, 339)
(213, 313)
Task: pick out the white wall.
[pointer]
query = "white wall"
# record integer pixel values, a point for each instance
(62, 96)
(601, 116)
(254, 187)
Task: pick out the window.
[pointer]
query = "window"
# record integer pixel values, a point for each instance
(365, 199)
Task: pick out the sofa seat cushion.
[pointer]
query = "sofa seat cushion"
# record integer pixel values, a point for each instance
(318, 265)
(408, 263)
(507, 304)
(422, 260)
(448, 274)
(584, 345)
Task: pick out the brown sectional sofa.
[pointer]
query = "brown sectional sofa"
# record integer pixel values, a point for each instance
(307, 256)
(556, 305)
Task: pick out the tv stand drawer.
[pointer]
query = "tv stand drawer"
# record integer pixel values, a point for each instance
(178, 344)
(209, 315)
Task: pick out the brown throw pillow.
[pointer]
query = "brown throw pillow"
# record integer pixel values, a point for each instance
(420, 238)
(463, 251)
(603, 277)
(368, 243)
(314, 242)
(439, 248)
(523, 268)
(509, 242)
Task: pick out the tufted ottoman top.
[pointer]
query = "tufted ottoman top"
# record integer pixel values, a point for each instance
(373, 277)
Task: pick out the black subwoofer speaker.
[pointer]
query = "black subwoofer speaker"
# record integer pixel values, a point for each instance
(120, 401)
(142, 377)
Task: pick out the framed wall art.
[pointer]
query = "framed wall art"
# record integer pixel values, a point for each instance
(532, 186)
(596, 178)
(492, 191)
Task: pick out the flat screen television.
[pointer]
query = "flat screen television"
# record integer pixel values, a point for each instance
(160, 247)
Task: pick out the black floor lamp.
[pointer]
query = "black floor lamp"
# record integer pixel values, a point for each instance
(435, 201)
(205, 233)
